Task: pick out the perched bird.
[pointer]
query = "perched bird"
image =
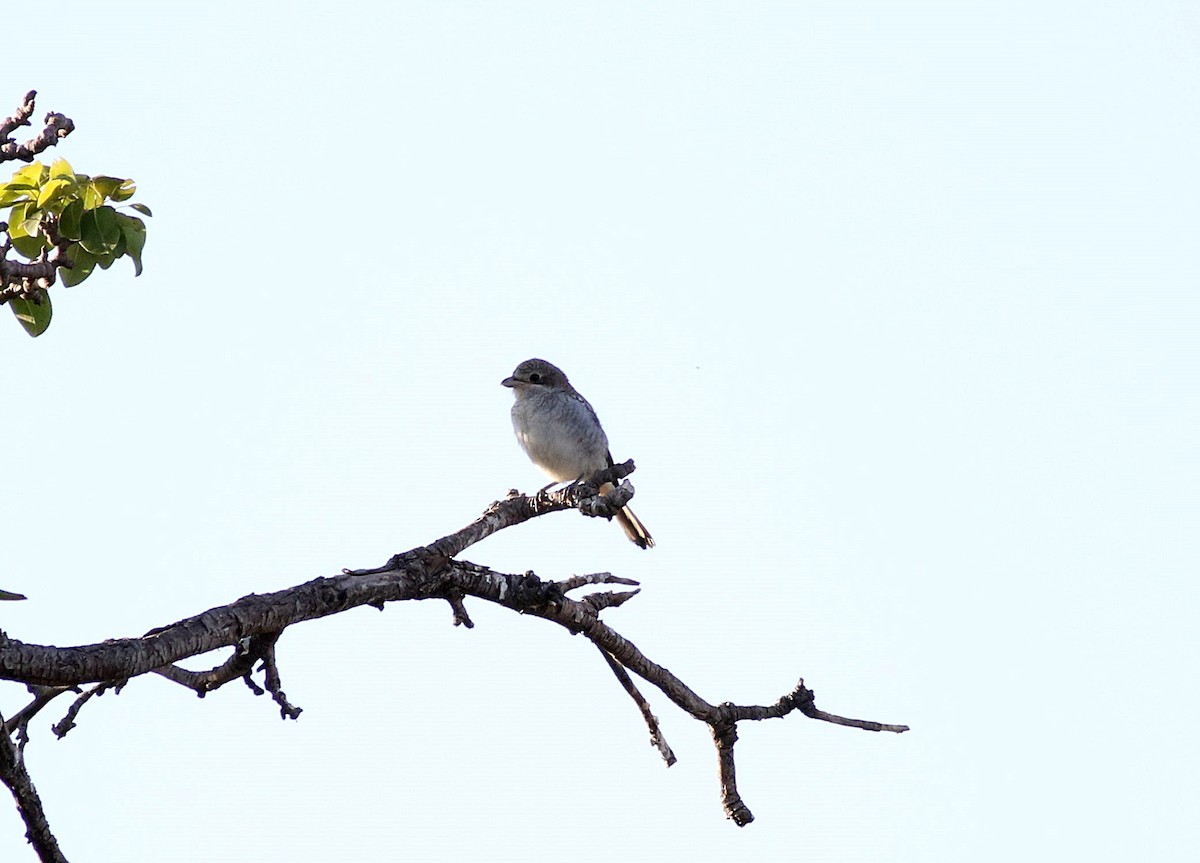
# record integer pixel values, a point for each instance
(561, 434)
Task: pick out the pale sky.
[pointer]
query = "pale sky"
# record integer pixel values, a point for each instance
(894, 305)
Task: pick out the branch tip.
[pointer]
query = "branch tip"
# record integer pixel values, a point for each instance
(656, 736)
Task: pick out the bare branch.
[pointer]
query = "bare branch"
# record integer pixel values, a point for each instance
(517, 508)
(65, 724)
(461, 618)
(724, 737)
(16, 778)
(577, 581)
(608, 599)
(253, 624)
(656, 738)
(42, 695)
(19, 118)
(56, 127)
(236, 667)
(286, 709)
(239, 666)
(801, 698)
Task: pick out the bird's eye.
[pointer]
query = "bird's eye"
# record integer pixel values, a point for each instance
(535, 378)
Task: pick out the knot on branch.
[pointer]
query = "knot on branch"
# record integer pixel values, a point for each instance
(801, 698)
(527, 592)
(603, 493)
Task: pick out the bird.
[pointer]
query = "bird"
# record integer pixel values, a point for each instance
(561, 433)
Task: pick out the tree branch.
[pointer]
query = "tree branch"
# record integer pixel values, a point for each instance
(252, 625)
(56, 127)
(656, 739)
(16, 778)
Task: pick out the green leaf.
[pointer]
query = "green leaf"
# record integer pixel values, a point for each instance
(34, 313)
(99, 231)
(142, 208)
(9, 194)
(125, 191)
(32, 226)
(25, 230)
(68, 222)
(84, 262)
(110, 231)
(33, 174)
(134, 232)
(106, 187)
(92, 198)
(29, 247)
(53, 190)
(61, 168)
(17, 217)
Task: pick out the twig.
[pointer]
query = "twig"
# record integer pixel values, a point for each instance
(63, 726)
(240, 666)
(802, 698)
(461, 618)
(656, 737)
(724, 737)
(577, 581)
(608, 599)
(42, 695)
(286, 709)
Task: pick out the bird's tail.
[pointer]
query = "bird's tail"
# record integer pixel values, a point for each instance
(634, 529)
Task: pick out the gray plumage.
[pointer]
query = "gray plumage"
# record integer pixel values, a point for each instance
(561, 433)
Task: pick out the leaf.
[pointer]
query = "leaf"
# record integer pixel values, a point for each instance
(53, 190)
(98, 230)
(110, 231)
(106, 187)
(33, 174)
(68, 222)
(29, 247)
(25, 230)
(10, 193)
(142, 208)
(32, 226)
(83, 263)
(134, 231)
(92, 198)
(34, 313)
(61, 168)
(125, 191)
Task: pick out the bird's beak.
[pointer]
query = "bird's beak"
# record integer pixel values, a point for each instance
(508, 382)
